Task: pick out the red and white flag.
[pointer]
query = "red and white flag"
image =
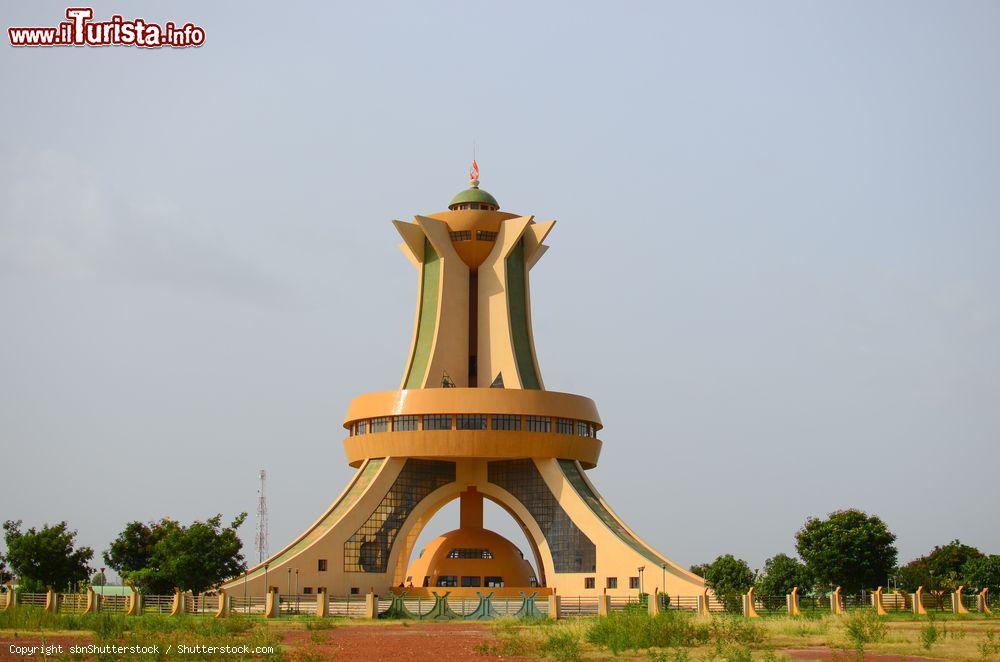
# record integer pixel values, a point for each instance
(474, 171)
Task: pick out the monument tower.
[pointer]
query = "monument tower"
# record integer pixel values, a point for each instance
(470, 420)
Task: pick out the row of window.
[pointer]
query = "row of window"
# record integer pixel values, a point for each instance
(514, 422)
(467, 553)
(466, 235)
(474, 205)
(610, 582)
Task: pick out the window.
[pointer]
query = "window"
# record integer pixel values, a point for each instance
(461, 235)
(588, 582)
(486, 235)
(532, 581)
(583, 428)
(355, 590)
(564, 426)
(360, 427)
(474, 205)
(612, 582)
(506, 422)
(404, 423)
(633, 582)
(437, 422)
(472, 581)
(493, 582)
(467, 553)
(447, 580)
(471, 421)
(307, 590)
(321, 565)
(537, 423)
(380, 424)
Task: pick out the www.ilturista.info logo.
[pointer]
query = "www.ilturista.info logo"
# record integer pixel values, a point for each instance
(80, 30)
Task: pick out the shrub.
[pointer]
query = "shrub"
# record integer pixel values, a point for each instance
(928, 635)
(863, 627)
(561, 646)
(632, 630)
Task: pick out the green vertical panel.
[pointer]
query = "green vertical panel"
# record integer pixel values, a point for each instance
(517, 304)
(572, 472)
(428, 316)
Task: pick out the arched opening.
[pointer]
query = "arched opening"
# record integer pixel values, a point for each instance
(471, 540)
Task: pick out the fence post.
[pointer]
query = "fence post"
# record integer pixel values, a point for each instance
(51, 601)
(322, 603)
(748, 609)
(703, 609)
(603, 604)
(271, 603)
(177, 607)
(224, 604)
(918, 602)
(653, 602)
(877, 602)
(371, 605)
(134, 605)
(792, 601)
(835, 605)
(554, 601)
(92, 601)
(956, 602)
(11, 597)
(983, 603)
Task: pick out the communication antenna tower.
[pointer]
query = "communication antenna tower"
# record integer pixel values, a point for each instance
(261, 539)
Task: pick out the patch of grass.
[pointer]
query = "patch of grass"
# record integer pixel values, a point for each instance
(863, 627)
(633, 630)
(313, 623)
(563, 645)
(989, 648)
(928, 636)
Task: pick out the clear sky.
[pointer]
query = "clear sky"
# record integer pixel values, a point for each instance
(776, 267)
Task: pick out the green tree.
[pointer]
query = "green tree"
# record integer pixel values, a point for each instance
(161, 555)
(849, 549)
(983, 572)
(47, 557)
(729, 578)
(5, 575)
(781, 574)
(940, 572)
(700, 568)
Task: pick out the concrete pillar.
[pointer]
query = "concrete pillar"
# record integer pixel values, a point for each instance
(371, 606)
(835, 606)
(653, 602)
(792, 601)
(322, 603)
(225, 603)
(956, 602)
(877, 602)
(51, 601)
(983, 602)
(271, 606)
(703, 609)
(603, 604)
(748, 609)
(11, 597)
(918, 602)
(93, 601)
(177, 608)
(134, 605)
(554, 606)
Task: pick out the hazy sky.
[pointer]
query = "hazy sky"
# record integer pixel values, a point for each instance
(776, 267)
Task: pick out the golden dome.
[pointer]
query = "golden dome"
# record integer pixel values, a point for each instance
(470, 557)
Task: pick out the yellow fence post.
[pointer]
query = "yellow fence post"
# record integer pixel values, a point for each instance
(918, 602)
(748, 609)
(792, 600)
(703, 609)
(877, 602)
(51, 601)
(224, 601)
(653, 602)
(177, 608)
(835, 605)
(554, 606)
(11, 597)
(92, 601)
(322, 603)
(956, 602)
(984, 604)
(371, 606)
(603, 604)
(134, 605)
(271, 603)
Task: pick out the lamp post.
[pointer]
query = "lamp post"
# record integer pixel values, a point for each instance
(663, 585)
(267, 587)
(640, 568)
(246, 605)
(296, 590)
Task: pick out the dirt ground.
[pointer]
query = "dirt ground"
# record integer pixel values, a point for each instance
(420, 642)
(827, 654)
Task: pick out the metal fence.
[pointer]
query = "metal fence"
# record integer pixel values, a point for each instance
(577, 606)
